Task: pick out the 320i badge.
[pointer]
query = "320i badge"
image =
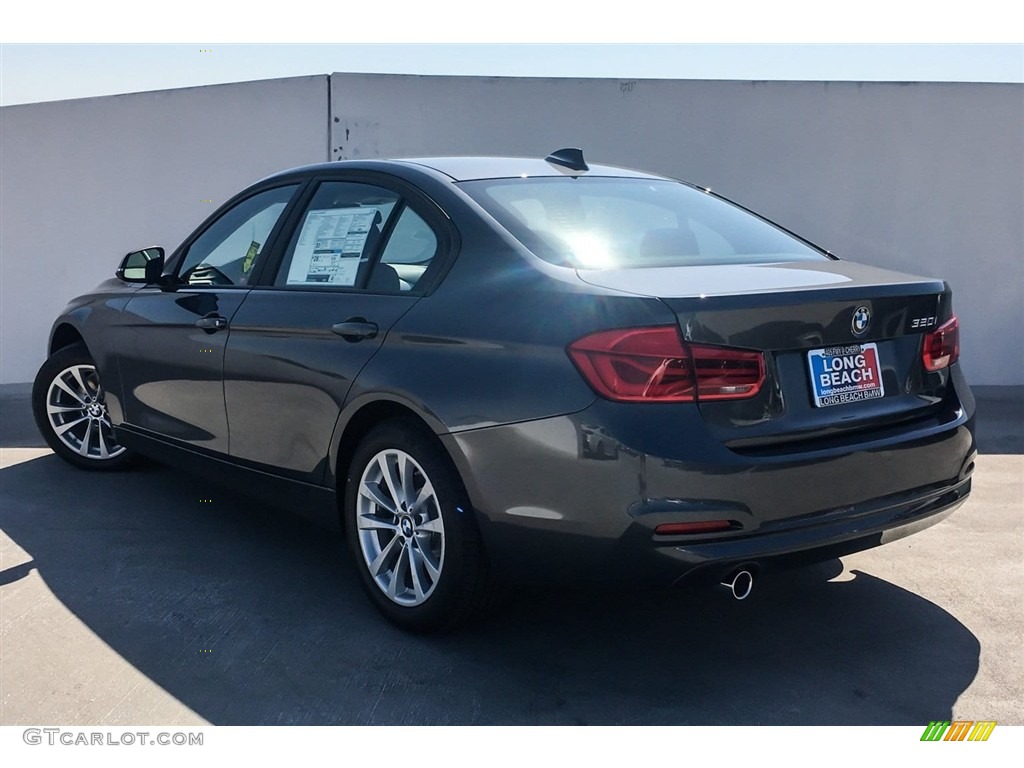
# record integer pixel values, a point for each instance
(507, 369)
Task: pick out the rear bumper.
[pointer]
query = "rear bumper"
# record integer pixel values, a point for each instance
(577, 498)
(878, 522)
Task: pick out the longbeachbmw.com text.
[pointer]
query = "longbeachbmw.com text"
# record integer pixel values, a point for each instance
(70, 737)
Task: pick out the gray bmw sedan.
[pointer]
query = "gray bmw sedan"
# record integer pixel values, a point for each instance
(524, 370)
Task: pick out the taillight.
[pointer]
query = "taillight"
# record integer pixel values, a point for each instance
(654, 365)
(727, 374)
(942, 346)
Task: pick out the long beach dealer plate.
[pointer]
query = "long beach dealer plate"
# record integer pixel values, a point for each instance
(846, 374)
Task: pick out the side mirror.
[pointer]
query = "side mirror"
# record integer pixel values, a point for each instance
(145, 266)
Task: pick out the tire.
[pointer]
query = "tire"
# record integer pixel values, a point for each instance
(421, 560)
(71, 413)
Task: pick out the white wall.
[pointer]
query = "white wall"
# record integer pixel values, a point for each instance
(920, 177)
(83, 182)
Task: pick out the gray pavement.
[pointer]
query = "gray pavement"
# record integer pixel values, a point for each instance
(127, 599)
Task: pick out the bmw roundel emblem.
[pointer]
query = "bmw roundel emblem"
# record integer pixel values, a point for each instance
(861, 320)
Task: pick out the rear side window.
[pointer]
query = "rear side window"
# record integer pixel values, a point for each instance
(616, 223)
(411, 249)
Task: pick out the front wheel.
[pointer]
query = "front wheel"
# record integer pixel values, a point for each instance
(70, 410)
(411, 530)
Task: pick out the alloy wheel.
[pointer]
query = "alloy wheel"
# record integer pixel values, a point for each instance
(401, 532)
(77, 414)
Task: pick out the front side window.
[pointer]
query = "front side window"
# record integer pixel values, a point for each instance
(358, 236)
(620, 223)
(230, 248)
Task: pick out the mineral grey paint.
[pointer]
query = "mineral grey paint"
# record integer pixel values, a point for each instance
(924, 178)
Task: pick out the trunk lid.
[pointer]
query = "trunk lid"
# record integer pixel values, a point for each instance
(788, 310)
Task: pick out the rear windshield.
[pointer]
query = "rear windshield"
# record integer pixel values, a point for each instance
(613, 223)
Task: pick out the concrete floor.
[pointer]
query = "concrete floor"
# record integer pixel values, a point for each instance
(125, 599)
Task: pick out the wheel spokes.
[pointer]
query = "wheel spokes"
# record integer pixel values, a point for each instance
(373, 493)
(433, 569)
(55, 409)
(77, 375)
(84, 447)
(398, 575)
(375, 523)
(75, 397)
(406, 472)
(378, 563)
(59, 381)
(431, 526)
(391, 479)
(399, 526)
(62, 428)
(425, 493)
(104, 453)
(417, 585)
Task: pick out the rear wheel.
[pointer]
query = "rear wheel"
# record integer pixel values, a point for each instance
(69, 405)
(412, 532)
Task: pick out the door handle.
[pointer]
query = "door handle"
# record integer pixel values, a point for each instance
(355, 329)
(212, 323)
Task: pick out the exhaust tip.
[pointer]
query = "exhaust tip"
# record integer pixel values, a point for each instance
(741, 584)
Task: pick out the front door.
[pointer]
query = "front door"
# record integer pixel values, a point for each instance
(172, 359)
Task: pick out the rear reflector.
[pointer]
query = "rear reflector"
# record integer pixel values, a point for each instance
(942, 346)
(654, 365)
(704, 526)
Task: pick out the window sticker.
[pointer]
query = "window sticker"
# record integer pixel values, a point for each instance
(330, 245)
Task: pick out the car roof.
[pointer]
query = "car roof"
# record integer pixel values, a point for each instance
(468, 168)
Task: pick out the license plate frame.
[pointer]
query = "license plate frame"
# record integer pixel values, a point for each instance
(856, 377)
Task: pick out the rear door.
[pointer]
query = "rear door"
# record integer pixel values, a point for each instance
(172, 358)
(361, 252)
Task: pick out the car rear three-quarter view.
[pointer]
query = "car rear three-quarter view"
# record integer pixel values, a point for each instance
(504, 369)
(756, 397)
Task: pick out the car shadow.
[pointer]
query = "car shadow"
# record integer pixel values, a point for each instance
(250, 615)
